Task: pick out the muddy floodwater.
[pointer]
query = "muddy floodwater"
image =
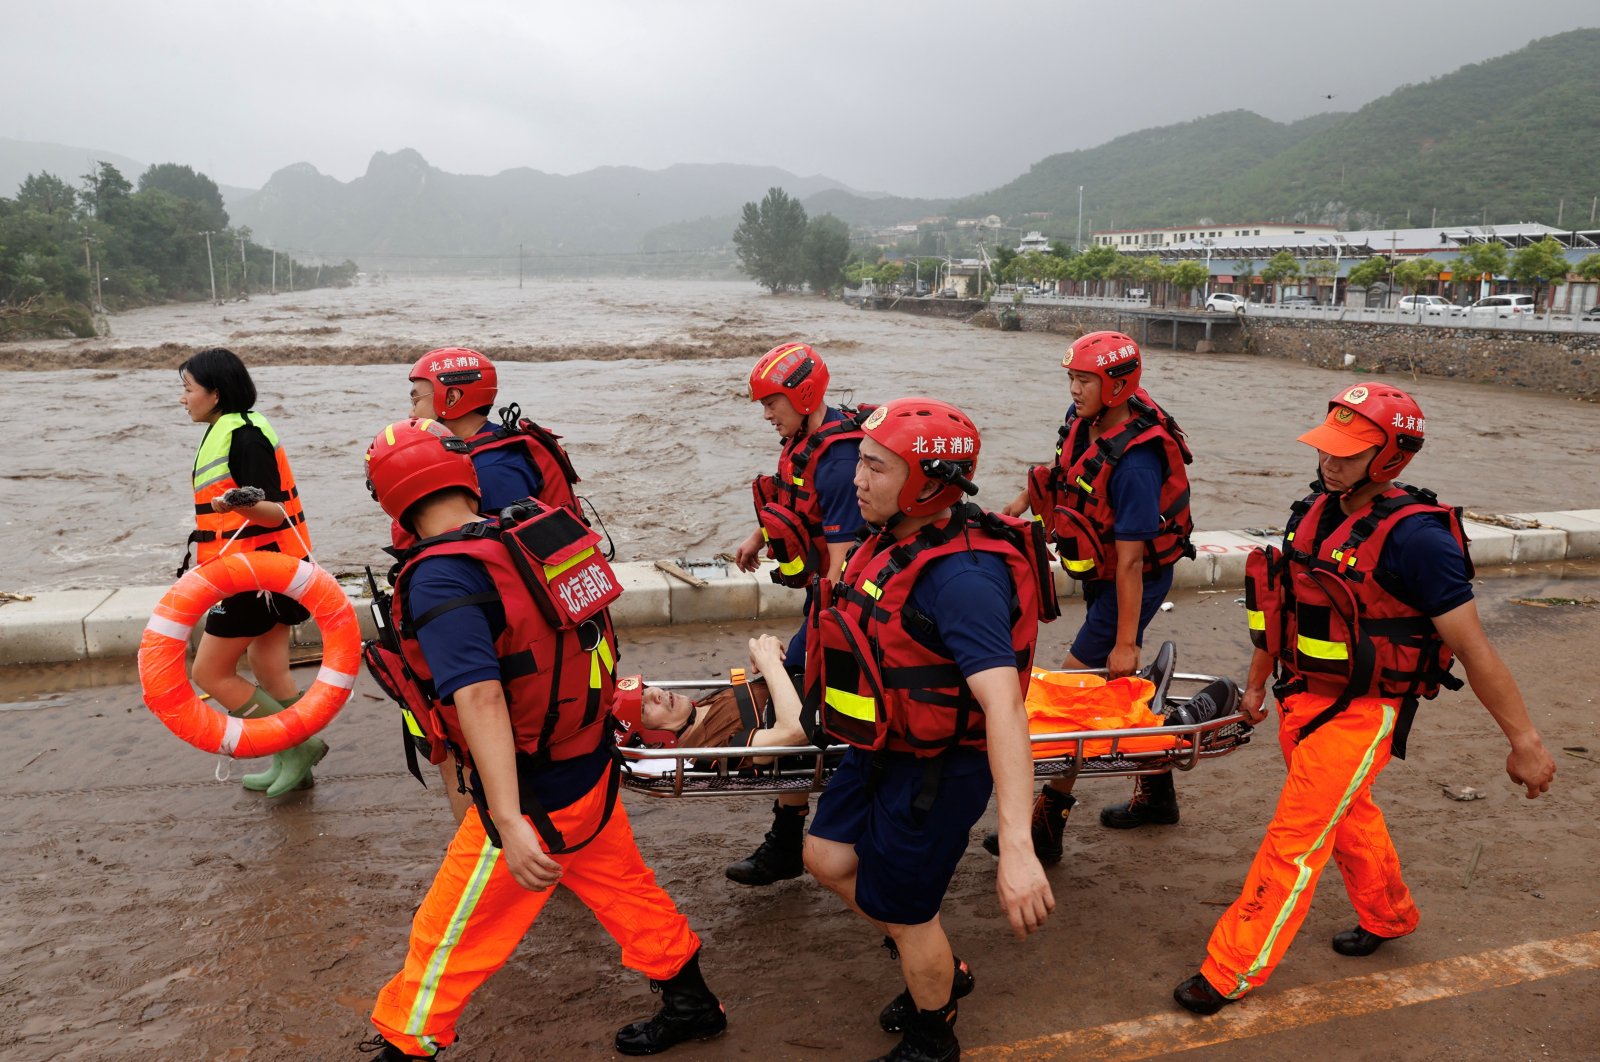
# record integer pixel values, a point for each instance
(646, 382)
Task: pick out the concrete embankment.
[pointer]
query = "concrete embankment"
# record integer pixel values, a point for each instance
(107, 624)
(1565, 363)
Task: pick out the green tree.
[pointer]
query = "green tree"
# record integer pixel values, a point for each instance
(769, 238)
(1589, 268)
(104, 190)
(1541, 264)
(48, 194)
(1477, 259)
(1243, 270)
(1002, 262)
(1186, 277)
(185, 183)
(1282, 266)
(823, 252)
(1369, 272)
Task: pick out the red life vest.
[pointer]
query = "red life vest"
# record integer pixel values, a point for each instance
(1072, 497)
(544, 452)
(869, 681)
(557, 652)
(788, 506)
(1331, 617)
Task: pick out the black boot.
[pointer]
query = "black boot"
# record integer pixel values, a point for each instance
(779, 856)
(1050, 811)
(386, 1052)
(930, 1036)
(1358, 942)
(894, 1017)
(1154, 803)
(688, 1012)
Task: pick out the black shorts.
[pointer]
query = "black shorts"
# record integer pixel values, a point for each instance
(252, 614)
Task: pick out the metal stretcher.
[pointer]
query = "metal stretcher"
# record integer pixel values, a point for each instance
(697, 772)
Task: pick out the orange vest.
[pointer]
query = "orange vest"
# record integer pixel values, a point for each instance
(213, 478)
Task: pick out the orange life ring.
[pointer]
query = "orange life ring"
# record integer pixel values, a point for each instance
(165, 680)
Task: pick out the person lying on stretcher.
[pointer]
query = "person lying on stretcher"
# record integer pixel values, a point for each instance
(760, 712)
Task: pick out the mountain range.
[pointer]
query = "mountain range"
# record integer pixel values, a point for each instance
(1509, 139)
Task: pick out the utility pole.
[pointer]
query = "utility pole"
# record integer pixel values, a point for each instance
(1077, 245)
(1561, 205)
(519, 267)
(211, 265)
(274, 272)
(244, 268)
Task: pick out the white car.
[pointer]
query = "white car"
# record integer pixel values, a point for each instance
(1500, 306)
(1430, 305)
(1225, 302)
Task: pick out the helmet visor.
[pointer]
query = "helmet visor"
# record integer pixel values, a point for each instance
(1344, 433)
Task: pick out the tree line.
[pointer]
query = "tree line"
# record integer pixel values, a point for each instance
(782, 249)
(68, 250)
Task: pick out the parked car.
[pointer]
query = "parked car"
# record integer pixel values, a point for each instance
(1138, 293)
(1225, 302)
(1592, 313)
(1425, 305)
(949, 293)
(1500, 306)
(1299, 300)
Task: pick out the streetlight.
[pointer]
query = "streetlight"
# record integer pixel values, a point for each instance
(1078, 244)
(1209, 243)
(1337, 243)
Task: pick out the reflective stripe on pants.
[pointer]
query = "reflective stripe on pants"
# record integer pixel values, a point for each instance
(475, 914)
(1325, 809)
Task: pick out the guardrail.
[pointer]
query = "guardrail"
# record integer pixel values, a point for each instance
(1539, 322)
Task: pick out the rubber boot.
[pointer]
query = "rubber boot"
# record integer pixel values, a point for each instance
(688, 1012)
(1050, 811)
(930, 1036)
(262, 703)
(1154, 803)
(385, 1051)
(779, 856)
(294, 766)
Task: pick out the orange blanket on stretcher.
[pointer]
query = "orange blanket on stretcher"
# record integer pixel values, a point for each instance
(1061, 702)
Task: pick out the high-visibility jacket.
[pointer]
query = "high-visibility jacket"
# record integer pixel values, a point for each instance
(213, 478)
(1331, 618)
(1072, 497)
(544, 451)
(788, 507)
(875, 686)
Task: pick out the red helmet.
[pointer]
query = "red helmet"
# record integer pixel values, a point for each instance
(411, 459)
(1367, 415)
(936, 440)
(1111, 356)
(459, 367)
(791, 369)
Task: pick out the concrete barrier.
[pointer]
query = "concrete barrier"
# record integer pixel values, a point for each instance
(107, 624)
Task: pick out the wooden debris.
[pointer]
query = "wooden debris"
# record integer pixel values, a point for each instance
(677, 572)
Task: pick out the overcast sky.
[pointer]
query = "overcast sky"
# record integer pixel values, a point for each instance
(929, 98)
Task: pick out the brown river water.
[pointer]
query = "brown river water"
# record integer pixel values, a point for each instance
(646, 382)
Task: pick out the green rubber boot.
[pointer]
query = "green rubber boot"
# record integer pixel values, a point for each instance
(294, 766)
(260, 704)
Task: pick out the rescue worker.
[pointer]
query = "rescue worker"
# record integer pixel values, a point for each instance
(922, 651)
(241, 450)
(515, 459)
(807, 520)
(1358, 618)
(523, 699)
(1116, 505)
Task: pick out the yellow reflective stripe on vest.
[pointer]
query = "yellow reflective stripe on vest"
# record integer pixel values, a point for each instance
(599, 657)
(553, 570)
(1077, 565)
(1086, 485)
(211, 460)
(1318, 649)
(852, 704)
(1256, 618)
(412, 727)
(794, 567)
(871, 589)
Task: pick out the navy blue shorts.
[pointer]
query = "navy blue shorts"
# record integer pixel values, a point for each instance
(906, 858)
(1098, 635)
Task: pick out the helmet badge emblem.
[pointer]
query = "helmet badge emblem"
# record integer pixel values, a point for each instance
(875, 418)
(1343, 416)
(1356, 395)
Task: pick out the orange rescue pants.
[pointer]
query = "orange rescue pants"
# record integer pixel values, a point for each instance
(1325, 809)
(475, 914)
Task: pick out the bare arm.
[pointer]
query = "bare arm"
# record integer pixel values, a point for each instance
(747, 556)
(265, 513)
(1529, 763)
(1253, 704)
(1017, 506)
(837, 552)
(486, 722)
(766, 656)
(1025, 895)
(1124, 659)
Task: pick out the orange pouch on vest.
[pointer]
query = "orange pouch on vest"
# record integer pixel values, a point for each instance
(787, 538)
(561, 563)
(1263, 599)
(843, 679)
(1079, 545)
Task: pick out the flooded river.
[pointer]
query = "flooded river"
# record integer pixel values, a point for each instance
(645, 379)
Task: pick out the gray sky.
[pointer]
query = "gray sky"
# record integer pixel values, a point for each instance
(931, 98)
